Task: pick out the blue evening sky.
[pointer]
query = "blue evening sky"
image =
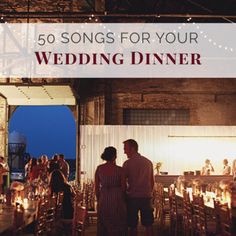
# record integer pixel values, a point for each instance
(48, 129)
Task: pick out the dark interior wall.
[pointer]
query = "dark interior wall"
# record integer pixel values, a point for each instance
(210, 101)
(41, 5)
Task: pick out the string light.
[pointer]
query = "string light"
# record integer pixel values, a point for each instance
(2, 20)
(205, 36)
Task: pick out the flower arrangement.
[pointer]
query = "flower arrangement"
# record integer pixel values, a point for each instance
(17, 186)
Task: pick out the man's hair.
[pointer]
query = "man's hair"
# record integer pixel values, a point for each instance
(132, 143)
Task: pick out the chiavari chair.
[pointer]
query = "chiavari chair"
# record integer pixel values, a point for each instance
(225, 221)
(79, 220)
(203, 224)
(199, 215)
(65, 226)
(188, 226)
(51, 204)
(176, 213)
(89, 200)
(161, 205)
(41, 226)
(59, 200)
(18, 221)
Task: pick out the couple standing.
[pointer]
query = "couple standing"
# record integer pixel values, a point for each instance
(124, 191)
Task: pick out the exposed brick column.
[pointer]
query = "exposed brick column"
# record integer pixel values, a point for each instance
(3, 127)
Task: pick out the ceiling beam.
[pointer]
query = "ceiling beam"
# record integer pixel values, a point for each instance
(74, 15)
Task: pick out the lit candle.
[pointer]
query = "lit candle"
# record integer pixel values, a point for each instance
(18, 200)
(26, 203)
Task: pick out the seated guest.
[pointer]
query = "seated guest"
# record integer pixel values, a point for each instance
(58, 184)
(54, 164)
(2, 171)
(44, 168)
(226, 168)
(208, 168)
(5, 166)
(27, 168)
(34, 170)
(234, 169)
(64, 166)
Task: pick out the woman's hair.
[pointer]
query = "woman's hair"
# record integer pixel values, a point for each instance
(109, 154)
(225, 161)
(33, 163)
(55, 157)
(57, 181)
(44, 158)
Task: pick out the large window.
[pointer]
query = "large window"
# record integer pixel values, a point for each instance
(156, 117)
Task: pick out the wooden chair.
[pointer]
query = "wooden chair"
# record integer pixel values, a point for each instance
(51, 204)
(59, 200)
(89, 200)
(176, 213)
(199, 215)
(79, 220)
(41, 226)
(225, 221)
(66, 226)
(162, 207)
(217, 207)
(188, 226)
(18, 221)
(203, 224)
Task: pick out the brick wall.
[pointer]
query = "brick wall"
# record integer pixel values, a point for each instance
(43, 5)
(210, 101)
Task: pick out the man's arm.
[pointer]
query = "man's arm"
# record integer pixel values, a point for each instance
(97, 184)
(125, 169)
(123, 181)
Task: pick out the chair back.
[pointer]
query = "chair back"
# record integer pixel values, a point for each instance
(187, 212)
(79, 220)
(51, 204)
(199, 215)
(225, 220)
(41, 226)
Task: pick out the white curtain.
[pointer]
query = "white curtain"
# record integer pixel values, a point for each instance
(179, 148)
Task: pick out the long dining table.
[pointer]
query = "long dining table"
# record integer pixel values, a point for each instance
(8, 216)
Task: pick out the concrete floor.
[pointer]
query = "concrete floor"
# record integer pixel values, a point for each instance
(91, 230)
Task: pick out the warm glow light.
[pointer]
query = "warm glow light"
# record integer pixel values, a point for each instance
(25, 203)
(179, 148)
(18, 200)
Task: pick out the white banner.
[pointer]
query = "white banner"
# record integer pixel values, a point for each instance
(117, 50)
